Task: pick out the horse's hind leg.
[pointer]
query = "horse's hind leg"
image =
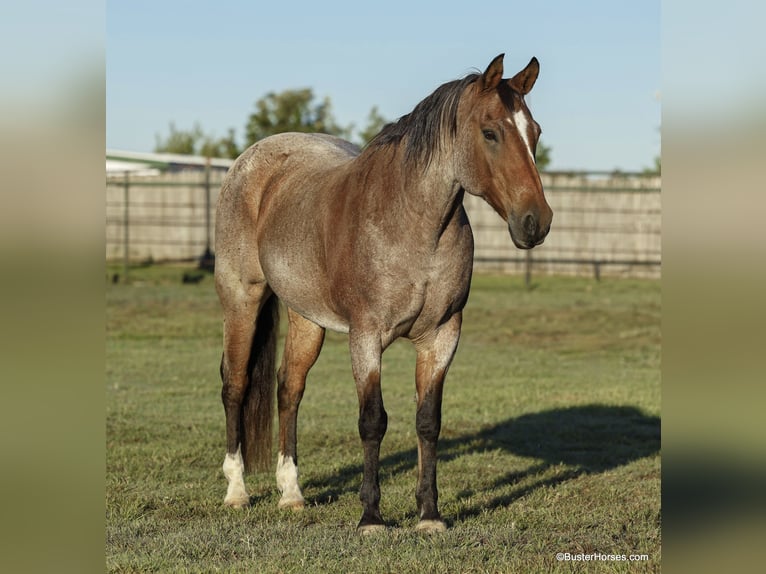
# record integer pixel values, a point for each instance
(303, 342)
(434, 357)
(240, 314)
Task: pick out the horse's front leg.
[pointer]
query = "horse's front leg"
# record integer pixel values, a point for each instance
(365, 362)
(435, 354)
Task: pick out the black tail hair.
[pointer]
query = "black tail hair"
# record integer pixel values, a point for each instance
(258, 404)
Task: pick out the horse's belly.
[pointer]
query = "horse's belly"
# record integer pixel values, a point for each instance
(323, 317)
(302, 287)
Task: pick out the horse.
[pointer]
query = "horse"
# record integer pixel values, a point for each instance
(371, 242)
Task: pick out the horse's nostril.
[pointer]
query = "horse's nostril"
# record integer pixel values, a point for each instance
(530, 224)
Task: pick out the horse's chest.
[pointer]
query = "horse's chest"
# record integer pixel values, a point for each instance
(436, 290)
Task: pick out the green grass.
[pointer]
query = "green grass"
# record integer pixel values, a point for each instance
(550, 439)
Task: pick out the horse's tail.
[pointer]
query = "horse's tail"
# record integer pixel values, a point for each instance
(258, 404)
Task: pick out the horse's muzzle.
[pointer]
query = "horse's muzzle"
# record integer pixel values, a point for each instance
(531, 229)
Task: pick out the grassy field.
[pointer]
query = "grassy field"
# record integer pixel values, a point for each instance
(550, 439)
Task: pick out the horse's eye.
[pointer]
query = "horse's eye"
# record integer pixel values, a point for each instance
(489, 135)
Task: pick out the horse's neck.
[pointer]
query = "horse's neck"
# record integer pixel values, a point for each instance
(422, 197)
(440, 197)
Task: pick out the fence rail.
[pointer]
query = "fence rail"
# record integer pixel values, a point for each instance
(604, 224)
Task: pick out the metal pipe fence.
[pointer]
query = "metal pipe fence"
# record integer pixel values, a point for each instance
(603, 225)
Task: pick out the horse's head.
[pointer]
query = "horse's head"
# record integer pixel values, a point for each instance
(496, 140)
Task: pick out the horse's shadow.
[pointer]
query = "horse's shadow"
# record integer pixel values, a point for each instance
(584, 439)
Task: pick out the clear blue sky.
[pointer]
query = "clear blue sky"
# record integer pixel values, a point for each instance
(597, 97)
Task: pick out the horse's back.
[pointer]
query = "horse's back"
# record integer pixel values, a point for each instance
(270, 210)
(268, 172)
(299, 151)
(273, 157)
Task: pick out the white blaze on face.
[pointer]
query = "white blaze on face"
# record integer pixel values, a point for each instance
(519, 119)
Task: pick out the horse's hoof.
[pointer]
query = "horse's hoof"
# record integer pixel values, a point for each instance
(431, 526)
(368, 529)
(294, 504)
(237, 502)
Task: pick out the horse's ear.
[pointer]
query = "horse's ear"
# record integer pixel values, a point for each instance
(524, 80)
(493, 75)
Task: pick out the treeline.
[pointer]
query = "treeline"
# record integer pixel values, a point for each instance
(287, 111)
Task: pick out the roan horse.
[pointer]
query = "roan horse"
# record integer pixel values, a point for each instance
(374, 243)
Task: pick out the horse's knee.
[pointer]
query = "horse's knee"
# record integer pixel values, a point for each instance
(373, 420)
(428, 420)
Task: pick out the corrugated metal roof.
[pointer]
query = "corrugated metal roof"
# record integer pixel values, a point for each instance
(150, 160)
(114, 166)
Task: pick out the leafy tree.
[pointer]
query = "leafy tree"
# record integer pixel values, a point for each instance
(196, 142)
(180, 141)
(375, 123)
(222, 147)
(292, 111)
(542, 156)
(656, 169)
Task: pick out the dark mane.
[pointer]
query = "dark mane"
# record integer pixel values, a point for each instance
(421, 129)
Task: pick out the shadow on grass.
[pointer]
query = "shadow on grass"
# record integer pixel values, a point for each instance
(586, 439)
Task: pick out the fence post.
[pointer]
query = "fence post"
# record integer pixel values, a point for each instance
(125, 227)
(528, 268)
(207, 206)
(207, 261)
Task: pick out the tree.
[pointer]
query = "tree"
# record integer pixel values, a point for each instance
(222, 147)
(375, 123)
(179, 141)
(542, 156)
(292, 111)
(656, 169)
(196, 142)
